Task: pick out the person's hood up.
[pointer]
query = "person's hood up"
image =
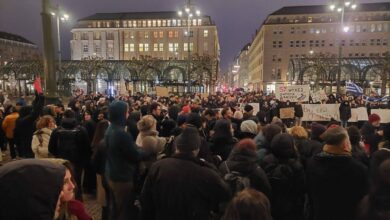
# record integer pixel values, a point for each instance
(24, 111)
(117, 113)
(30, 189)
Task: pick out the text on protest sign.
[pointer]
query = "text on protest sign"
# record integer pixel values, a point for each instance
(293, 93)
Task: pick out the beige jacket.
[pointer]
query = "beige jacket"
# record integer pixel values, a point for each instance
(40, 143)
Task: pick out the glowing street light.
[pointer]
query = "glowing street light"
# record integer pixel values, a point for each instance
(346, 29)
(332, 7)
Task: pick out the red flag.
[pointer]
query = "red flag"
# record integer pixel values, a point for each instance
(37, 85)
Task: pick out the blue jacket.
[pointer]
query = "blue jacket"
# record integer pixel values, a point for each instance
(122, 154)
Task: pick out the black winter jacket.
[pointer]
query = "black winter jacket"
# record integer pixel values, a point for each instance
(182, 187)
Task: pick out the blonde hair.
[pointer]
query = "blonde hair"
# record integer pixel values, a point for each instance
(44, 121)
(299, 132)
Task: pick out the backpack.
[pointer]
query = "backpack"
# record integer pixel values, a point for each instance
(67, 144)
(236, 180)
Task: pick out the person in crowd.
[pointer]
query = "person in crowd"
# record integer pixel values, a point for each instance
(371, 132)
(358, 152)
(59, 112)
(227, 113)
(263, 140)
(316, 142)
(167, 126)
(155, 111)
(222, 141)
(89, 183)
(3, 139)
(248, 113)
(211, 120)
(376, 204)
(345, 113)
(336, 181)
(183, 186)
(302, 143)
(248, 129)
(382, 154)
(99, 162)
(8, 126)
(249, 204)
(69, 208)
(25, 126)
(122, 157)
(287, 178)
(70, 141)
(89, 124)
(131, 123)
(75, 105)
(243, 159)
(194, 120)
(298, 113)
(31, 189)
(40, 140)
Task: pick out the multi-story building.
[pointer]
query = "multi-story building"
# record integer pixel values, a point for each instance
(242, 67)
(15, 48)
(125, 36)
(304, 31)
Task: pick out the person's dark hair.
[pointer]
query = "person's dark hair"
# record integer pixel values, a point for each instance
(354, 135)
(135, 116)
(101, 128)
(222, 129)
(249, 204)
(335, 135)
(69, 114)
(194, 119)
(168, 125)
(224, 111)
(154, 106)
(269, 131)
(282, 146)
(209, 112)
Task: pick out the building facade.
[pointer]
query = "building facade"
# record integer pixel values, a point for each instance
(16, 48)
(158, 35)
(310, 31)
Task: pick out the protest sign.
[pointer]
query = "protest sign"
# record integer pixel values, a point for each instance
(383, 113)
(358, 114)
(162, 91)
(293, 93)
(320, 112)
(287, 113)
(318, 96)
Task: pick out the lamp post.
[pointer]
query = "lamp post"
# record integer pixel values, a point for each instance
(63, 17)
(190, 12)
(341, 6)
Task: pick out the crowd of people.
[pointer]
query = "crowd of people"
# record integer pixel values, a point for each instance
(191, 157)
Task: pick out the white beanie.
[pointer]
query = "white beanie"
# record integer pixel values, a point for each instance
(249, 126)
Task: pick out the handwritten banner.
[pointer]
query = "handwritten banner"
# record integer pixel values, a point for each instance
(325, 112)
(162, 91)
(293, 93)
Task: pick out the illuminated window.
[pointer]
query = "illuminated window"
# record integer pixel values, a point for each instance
(161, 33)
(161, 47)
(146, 34)
(149, 23)
(199, 22)
(168, 23)
(126, 47)
(143, 23)
(174, 22)
(176, 34)
(170, 34)
(124, 24)
(158, 23)
(170, 46)
(205, 33)
(154, 23)
(141, 47)
(117, 24)
(178, 22)
(155, 34)
(131, 47)
(155, 47)
(146, 47)
(164, 23)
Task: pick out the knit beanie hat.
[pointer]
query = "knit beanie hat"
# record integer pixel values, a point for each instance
(373, 118)
(186, 109)
(194, 119)
(317, 130)
(282, 146)
(146, 123)
(188, 140)
(249, 126)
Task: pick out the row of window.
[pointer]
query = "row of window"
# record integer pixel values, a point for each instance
(335, 56)
(141, 34)
(144, 47)
(352, 28)
(147, 23)
(321, 43)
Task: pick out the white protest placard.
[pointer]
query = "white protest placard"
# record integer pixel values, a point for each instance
(256, 107)
(320, 112)
(287, 113)
(162, 91)
(292, 93)
(318, 96)
(383, 113)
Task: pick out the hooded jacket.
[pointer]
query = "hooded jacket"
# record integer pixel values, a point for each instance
(30, 189)
(122, 153)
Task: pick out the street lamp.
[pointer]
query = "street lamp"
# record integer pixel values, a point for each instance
(189, 11)
(341, 6)
(63, 17)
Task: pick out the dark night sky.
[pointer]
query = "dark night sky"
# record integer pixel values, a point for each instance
(236, 20)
